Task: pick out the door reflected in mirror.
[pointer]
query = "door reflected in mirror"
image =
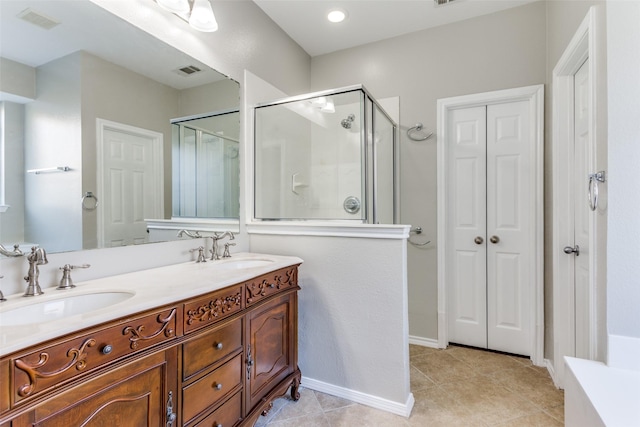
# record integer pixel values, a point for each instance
(91, 69)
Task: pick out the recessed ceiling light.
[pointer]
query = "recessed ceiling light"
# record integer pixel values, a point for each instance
(337, 15)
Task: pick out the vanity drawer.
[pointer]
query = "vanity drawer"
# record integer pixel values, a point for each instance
(204, 351)
(227, 415)
(59, 362)
(212, 388)
(213, 307)
(263, 286)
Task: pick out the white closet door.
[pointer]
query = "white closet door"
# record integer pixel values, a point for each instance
(509, 231)
(466, 207)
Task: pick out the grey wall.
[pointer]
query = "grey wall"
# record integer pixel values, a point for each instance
(17, 79)
(53, 138)
(12, 221)
(492, 52)
(222, 95)
(624, 157)
(111, 92)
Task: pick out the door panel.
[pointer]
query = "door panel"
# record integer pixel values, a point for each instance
(489, 283)
(466, 206)
(129, 189)
(509, 285)
(581, 213)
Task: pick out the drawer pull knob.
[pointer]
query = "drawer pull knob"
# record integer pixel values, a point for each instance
(107, 349)
(218, 425)
(218, 386)
(272, 285)
(219, 346)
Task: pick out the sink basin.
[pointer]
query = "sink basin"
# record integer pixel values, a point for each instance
(54, 309)
(243, 263)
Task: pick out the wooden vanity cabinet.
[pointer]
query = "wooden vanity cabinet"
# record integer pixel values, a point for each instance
(219, 359)
(135, 394)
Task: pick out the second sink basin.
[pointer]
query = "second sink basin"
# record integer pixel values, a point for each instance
(54, 309)
(243, 263)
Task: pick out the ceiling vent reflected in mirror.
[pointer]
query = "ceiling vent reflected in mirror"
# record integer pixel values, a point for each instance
(187, 71)
(37, 18)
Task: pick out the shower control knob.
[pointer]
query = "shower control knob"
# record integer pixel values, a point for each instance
(478, 240)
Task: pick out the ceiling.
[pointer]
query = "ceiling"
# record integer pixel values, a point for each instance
(88, 27)
(369, 20)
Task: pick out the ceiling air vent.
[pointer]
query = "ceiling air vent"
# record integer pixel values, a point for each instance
(441, 2)
(37, 18)
(188, 70)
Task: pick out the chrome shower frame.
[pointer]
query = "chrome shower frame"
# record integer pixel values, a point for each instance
(370, 206)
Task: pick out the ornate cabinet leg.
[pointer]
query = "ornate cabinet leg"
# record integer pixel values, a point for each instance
(295, 385)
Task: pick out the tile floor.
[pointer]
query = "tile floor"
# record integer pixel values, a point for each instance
(458, 386)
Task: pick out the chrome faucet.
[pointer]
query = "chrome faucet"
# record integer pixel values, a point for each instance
(16, 252)
(2, 298)
(37, 257)
(214, 245)
(193, 234)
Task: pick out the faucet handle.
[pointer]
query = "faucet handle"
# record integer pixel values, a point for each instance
(201, 257)
(226, 253)
(66, 282)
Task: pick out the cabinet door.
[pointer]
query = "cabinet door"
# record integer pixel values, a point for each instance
(271, 346)
(133, 395)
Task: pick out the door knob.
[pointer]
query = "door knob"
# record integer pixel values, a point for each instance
(569, 250)
(479, 240)
(494, 239)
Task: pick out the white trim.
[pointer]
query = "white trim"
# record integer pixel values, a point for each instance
(333, 229)
(424, 342)
(552, 372)
(158, 161)
(581, 47)
(402, 409)
(535, 95)
(198, 224)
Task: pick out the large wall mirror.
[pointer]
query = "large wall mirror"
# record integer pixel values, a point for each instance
(90, 106)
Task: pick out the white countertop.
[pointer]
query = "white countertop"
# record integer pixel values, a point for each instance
(153, 288)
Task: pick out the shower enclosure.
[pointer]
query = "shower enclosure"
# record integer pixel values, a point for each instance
(206, 167)
(328, 155)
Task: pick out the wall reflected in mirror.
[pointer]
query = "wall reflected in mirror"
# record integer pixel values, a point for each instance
(96, 96)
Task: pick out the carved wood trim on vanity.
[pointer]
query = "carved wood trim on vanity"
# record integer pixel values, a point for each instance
(192, 344)
(270, 283)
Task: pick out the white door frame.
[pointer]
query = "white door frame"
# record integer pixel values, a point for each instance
(158, 160)
(583, 45)
(535, 96)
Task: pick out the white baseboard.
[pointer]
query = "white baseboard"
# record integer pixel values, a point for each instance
(403, 409)
(424, 342)
(552, 372)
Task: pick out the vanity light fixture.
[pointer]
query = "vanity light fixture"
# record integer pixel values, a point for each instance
(336, 15)
(198, 13)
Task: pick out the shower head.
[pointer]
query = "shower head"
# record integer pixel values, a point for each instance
(346, 123)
